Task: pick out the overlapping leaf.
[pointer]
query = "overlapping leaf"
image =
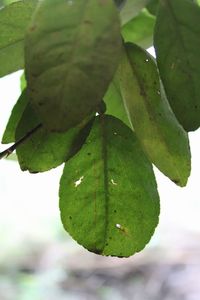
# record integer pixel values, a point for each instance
(13, 21)
(163, 139)
(45, 150)
(16, 115)
(114, 102)
(72, 50)
(131, 9)
(108, 196)
(177, 46)
(140, 30)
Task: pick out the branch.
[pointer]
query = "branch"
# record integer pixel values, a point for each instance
(8, 151)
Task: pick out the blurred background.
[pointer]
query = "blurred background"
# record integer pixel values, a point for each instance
(39, 261)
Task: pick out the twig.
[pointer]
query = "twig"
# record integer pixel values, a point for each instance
(8, 151)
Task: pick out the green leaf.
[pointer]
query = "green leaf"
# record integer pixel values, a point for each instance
(131, 9)
(46, 150)
(161, 136)
(108, 195)
(140, 30)
(114, 102)
(13, 21)
(72, 50)
(17, 112)
(177, 45)
(23, 83)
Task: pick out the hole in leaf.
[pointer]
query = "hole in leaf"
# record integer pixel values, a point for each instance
(79, 181)
(118, 226)
(113, 182)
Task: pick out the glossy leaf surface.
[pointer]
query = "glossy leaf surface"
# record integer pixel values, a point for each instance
(72, 50)
(162, 137)
(108, 195)
(177, 45)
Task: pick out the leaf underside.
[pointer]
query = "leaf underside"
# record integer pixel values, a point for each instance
(14, 19)
(108, 195)
(45, 150)
(177, 45)
(71, 54)
(161, 136)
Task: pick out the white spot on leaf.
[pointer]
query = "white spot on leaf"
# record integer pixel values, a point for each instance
(113, 182)
(118, 226)
(79, 181)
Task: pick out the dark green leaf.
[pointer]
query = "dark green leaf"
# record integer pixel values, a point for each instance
(72, 50)
(131, 9)
(13, 21)
(177, 46)
(46, 150)
(18, 109)
(152, 6)
(140, 30)
(163, 139)
(108, 195)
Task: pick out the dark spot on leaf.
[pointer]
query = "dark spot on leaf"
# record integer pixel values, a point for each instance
(33, 28)
(88, 22)
(88, 153)
(70, 217)
(115, 211)
(96, 251)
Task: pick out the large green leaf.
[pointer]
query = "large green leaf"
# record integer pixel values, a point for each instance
(13, 21)
(45, 150)
(140, 30)
(72, 50)
(131, 9)
(17, 112)
(108, 196)
(163, 139)
(177, 45)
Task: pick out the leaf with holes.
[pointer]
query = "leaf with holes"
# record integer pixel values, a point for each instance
(45, 150)
(162, 137)
(177, 45)
(14, 19)
(72, 50)
(108, 196)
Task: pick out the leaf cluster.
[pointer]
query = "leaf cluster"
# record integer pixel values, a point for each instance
(94, 99)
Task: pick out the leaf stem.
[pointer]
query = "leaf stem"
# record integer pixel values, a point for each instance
(8, 151)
